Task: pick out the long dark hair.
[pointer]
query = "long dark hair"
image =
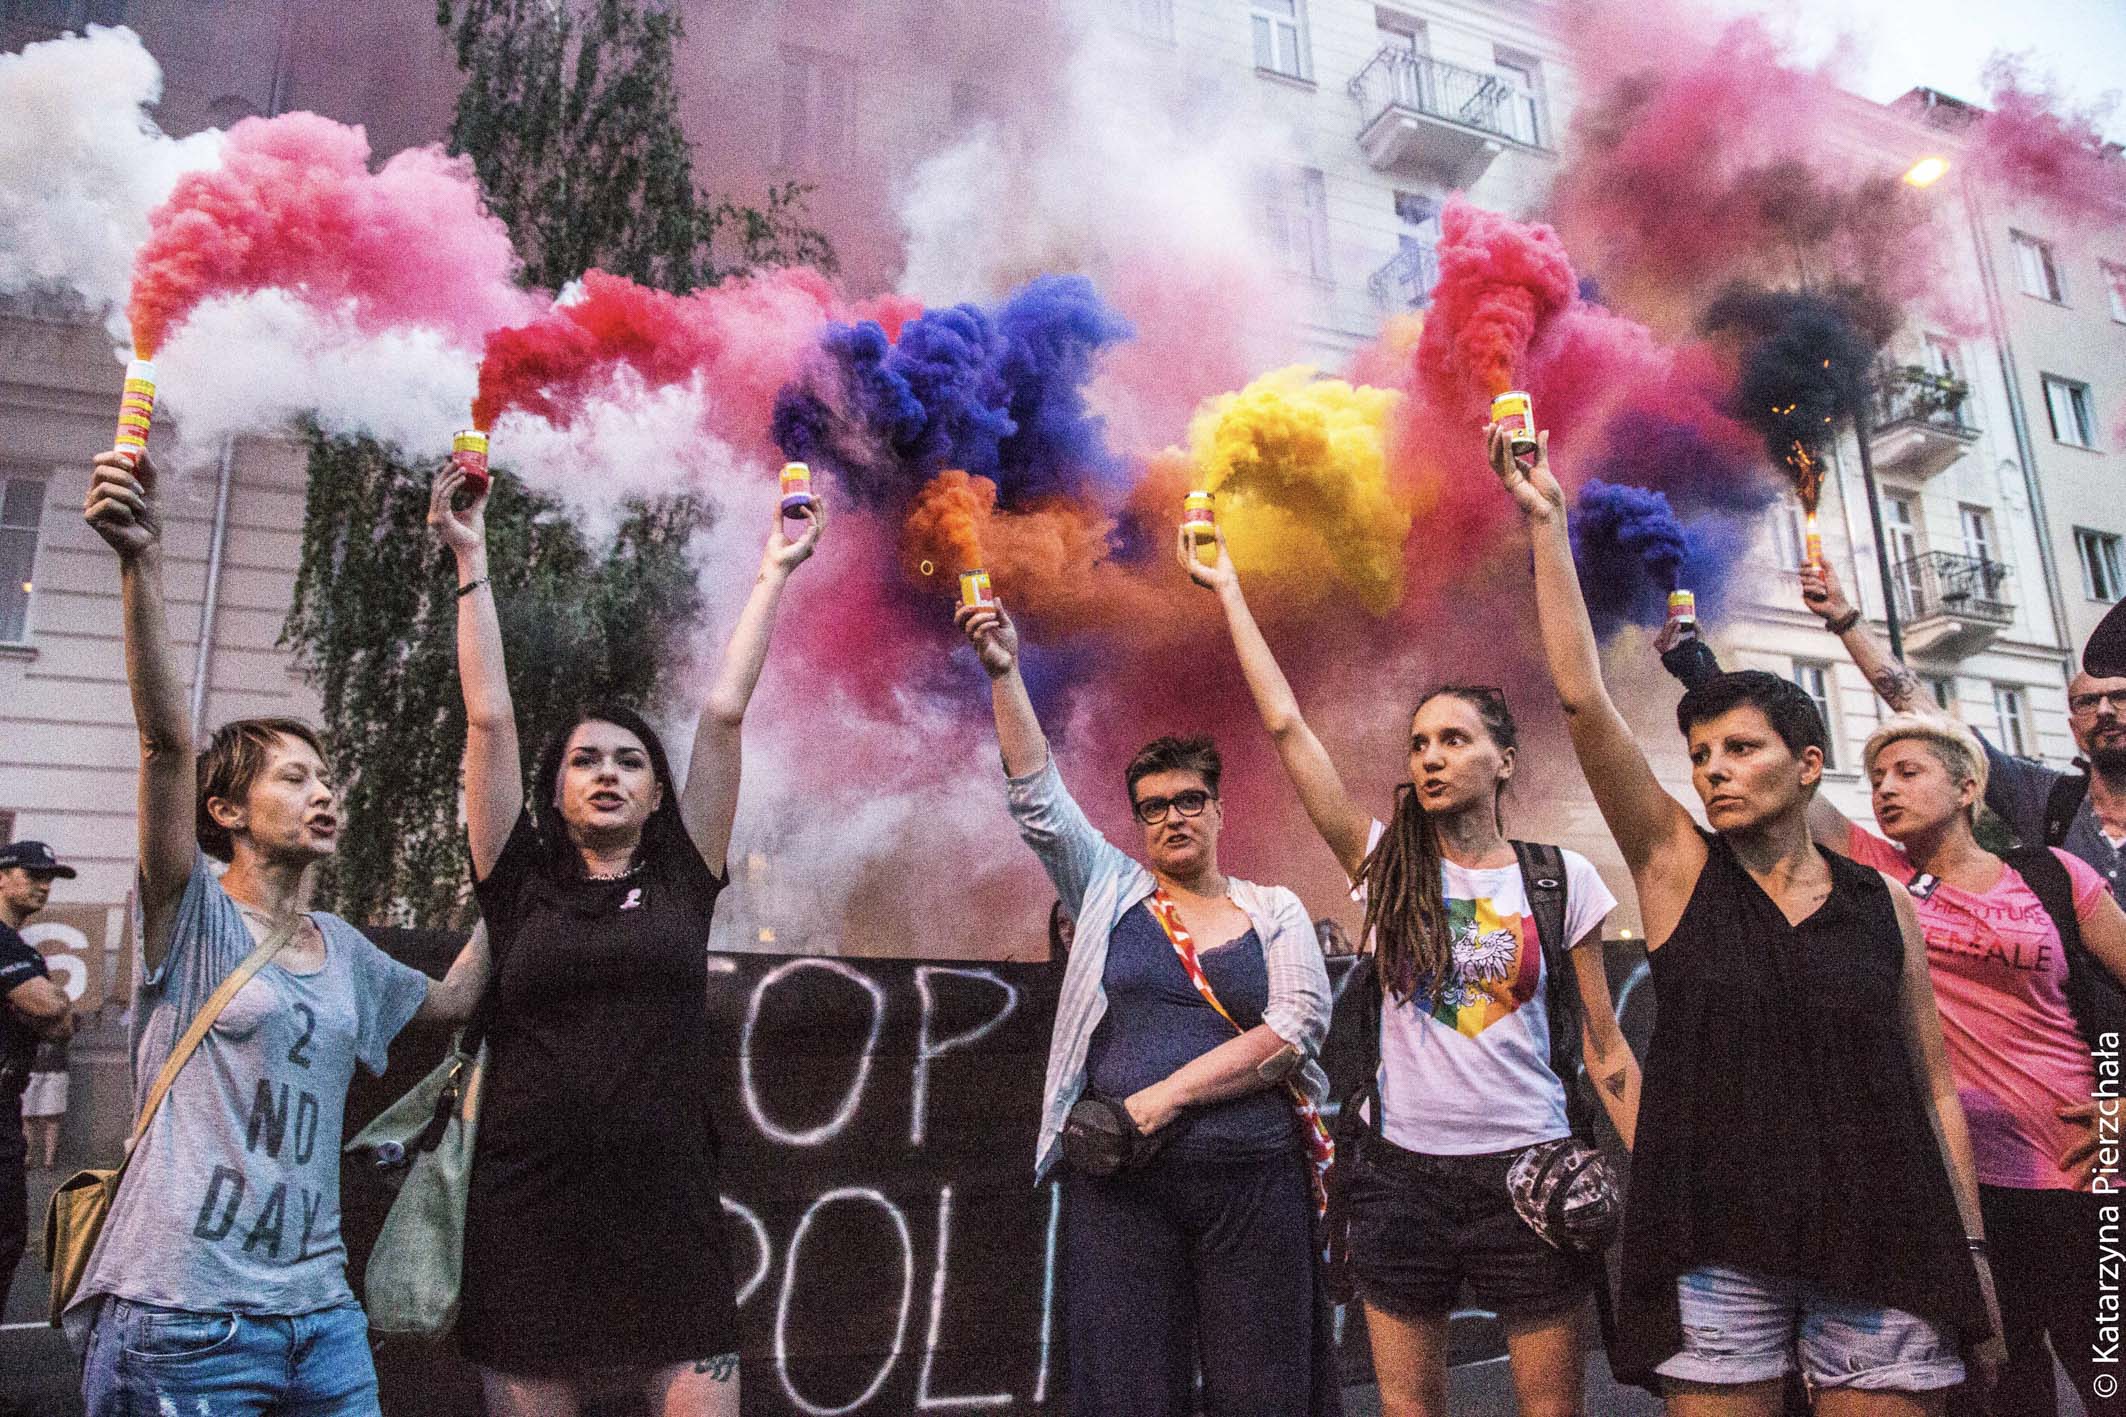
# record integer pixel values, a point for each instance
(664, 823)
(1406, 909)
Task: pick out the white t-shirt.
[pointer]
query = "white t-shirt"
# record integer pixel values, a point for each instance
(1465, 1067)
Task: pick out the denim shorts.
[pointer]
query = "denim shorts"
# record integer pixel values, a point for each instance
(144, 1360)
(1740, 1327)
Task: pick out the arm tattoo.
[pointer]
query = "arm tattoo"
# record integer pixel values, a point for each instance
(1897, 685)
(722, 1368)
(1614, 1083)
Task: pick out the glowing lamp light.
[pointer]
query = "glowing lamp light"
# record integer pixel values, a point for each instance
(1926, 172)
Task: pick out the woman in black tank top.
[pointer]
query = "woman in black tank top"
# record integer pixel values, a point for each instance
(1802, 1178)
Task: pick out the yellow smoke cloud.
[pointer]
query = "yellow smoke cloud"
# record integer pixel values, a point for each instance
(1300, 469)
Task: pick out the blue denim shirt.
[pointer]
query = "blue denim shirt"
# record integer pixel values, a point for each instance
(1098, 884)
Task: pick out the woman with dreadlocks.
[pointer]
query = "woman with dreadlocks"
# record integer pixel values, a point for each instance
(1480, 1034)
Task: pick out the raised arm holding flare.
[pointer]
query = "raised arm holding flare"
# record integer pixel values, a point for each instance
(1181, 1087)
(1798, 1110)
(599, 887)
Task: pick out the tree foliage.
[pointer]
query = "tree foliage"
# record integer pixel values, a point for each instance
(569, 114)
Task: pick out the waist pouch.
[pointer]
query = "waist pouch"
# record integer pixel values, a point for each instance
(1567, 1192)
(1100, 1138)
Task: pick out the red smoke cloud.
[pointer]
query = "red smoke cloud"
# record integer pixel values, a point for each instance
(2031, 148)
(1498, 280)
(744, 339)
(294, 206)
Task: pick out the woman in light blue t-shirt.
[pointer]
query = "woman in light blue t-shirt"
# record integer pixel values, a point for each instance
(1466, 1081)
(219, 1281)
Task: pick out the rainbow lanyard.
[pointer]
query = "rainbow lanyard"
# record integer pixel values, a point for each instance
(1321, 1148)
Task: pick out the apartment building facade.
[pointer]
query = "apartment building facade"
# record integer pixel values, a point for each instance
(1996, 442)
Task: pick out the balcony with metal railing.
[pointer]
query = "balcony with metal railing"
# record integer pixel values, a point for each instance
(1949, 603)
(1917, 422)
(1406, 281)
(1425, 117)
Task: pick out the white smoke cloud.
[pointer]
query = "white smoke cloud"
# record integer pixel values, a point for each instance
(82, 164)
(254, 363)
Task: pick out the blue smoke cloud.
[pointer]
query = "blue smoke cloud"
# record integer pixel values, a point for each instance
(1000, 394)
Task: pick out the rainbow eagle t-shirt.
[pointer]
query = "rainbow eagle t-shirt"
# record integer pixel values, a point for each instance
(1465, 1062)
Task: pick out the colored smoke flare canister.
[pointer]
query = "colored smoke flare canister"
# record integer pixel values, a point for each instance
(1812, 543)
(796, 488)
(136, 410)
(468, 454)
(1200, 520)
(975, 589)
(1515, 412)
(1683, 609)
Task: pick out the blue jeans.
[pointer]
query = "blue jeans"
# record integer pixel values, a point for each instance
(1741, 1327)
(146, 1361)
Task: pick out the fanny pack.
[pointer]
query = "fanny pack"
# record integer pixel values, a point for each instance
(1567, 1192)
(1100, 1138)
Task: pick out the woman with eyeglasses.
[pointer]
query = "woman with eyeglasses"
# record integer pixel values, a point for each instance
(1478, 1046)
(1181, 1078)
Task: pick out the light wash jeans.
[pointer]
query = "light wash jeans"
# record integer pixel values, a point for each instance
(145, 1361)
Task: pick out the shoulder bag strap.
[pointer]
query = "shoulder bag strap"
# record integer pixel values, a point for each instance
(210, 1011)
(1314, 1133)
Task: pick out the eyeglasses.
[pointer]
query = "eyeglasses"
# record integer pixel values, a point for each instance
(1152, 810)
(2083, 705)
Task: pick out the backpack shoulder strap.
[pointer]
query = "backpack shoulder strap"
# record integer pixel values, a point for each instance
(2062, 804)
(2054, 888)
(1543, 878)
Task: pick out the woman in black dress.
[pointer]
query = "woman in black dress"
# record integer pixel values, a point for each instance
(594, 1240)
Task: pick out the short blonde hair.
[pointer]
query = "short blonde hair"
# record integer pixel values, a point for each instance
(1956, 747)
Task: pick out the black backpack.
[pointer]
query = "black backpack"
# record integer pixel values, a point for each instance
(2062, 804)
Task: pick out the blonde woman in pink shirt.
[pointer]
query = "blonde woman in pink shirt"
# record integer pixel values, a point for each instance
(2024, 1072)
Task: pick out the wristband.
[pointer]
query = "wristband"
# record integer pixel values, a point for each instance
(1844, 622)
(1977, 1245)
(470, 586)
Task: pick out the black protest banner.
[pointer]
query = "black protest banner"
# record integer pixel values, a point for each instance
(891, 1250)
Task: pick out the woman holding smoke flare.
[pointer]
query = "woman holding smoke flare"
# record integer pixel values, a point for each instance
(594, 1236)
(1478, 1041)
(2023, 1066)
(1180, 1091)
(1803, 1180)
(218, 1282)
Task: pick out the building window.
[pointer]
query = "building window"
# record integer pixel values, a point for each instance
(2073, 416)
(21, 510)
(2035, 268)
(817, 103)
(1788, 545)
(1153, 19)
(7, 828)
(1900, 517)
(1522, 111)
(1816, 681)
(1281, 37)
(1299, 223)
(1943, 691)
(2101, 562)
(1940, 355)
(2115, 290)
(2008, 709)
(1977, 525)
